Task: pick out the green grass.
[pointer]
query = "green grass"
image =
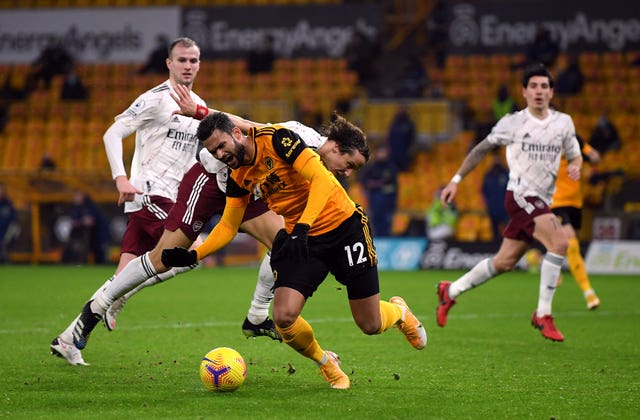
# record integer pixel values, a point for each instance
(488, 363)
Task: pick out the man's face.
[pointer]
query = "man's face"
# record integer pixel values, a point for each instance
(342, 164)
(183, 64)
(227, 148)
(538, 93)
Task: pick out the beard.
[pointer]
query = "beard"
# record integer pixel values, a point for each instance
(238, 155)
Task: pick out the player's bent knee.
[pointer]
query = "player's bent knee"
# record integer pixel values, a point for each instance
(559, 248)
(369, 325)
(283, 319)
(370, 328)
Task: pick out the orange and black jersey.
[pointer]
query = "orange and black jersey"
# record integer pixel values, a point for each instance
(292, 180)
(568, 192)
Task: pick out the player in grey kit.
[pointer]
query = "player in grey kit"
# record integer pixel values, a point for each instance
(165, 149)
(535, 139)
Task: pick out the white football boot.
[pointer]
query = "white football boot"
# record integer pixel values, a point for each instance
(110, 316)
(67, 351)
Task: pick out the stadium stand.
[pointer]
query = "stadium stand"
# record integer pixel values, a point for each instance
(72, 132)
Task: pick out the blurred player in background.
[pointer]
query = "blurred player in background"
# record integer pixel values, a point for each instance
(567, 205)
(325, 231)
(165, 149)
(535, 139)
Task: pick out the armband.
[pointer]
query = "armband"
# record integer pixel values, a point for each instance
(201, 112)
(456, 179)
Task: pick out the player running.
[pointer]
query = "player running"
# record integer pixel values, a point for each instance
(165, 149)
(535, 139)
(567, 206)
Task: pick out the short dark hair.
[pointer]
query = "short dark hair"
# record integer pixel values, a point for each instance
(183, 42)
(213, 121)
(538, 69)
(347, 136)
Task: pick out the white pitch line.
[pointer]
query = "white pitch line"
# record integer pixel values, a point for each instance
(423, 317)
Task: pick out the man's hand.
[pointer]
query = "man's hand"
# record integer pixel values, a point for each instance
(178, 257)
(126, 190)
(573, 171)
(295, 246)
(448, 193)
(183, 98)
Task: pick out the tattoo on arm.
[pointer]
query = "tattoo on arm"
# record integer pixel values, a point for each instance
(474, 157)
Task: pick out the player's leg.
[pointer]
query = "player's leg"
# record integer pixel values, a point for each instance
(111, 315)
(295, 330)
(257, 322)
(505, 260)
(375, 316)
(138, 270)
(62, 345)
(125, 258)
(296, 283)
(262, 295)
(351, 257)
(578, 269)
(298, 334)
(143, 271)
(67, 335)
(143, 231)
(549, 232)
(263, 225)
(198, 199)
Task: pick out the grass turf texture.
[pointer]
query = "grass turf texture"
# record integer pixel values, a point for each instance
(487, 363)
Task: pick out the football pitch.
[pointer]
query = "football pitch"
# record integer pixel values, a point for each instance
(488, 363)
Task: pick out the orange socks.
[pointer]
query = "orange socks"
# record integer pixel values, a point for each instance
(390, 314)
(576, 265)
(299, 336)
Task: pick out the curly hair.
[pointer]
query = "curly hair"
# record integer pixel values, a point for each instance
(347, 135)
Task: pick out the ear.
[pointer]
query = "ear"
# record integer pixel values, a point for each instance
(237, 133)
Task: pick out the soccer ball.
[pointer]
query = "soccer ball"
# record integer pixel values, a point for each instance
(222, 369)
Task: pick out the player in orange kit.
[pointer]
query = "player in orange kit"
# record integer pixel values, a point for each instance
(325, 232)
(567, 205)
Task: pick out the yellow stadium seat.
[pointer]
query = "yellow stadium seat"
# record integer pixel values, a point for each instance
(485, 229)
(467, 227)
(12, 158)
(18, 110)
(454, 61)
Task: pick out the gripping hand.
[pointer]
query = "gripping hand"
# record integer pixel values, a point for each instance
(295, 246)
(178, 257)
